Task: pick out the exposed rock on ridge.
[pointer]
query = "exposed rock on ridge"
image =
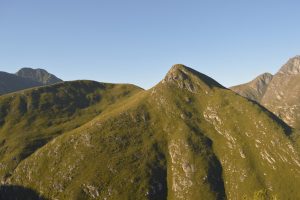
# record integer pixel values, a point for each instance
(280, 93)
(187, 78)
(38, 75)
(256, 88)
(292, 67)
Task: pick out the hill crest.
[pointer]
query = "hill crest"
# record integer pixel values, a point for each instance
(38, 75)
(292, 67)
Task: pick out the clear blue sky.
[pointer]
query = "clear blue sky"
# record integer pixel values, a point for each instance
(137, 41)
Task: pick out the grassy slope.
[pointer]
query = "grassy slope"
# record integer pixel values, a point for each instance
(186, 138)
(31, 118)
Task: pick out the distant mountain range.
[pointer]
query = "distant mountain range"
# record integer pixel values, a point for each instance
(25, 78)
(188, 137)
(279, 93)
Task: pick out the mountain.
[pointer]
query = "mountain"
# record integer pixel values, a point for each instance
(283, 94)
(255, 89)
(280, 93)
(25, 78)
(11, 83)
(38, 75)
(31, 118)
(188, 137)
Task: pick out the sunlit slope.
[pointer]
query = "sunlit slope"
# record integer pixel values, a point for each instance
(256, 88)
(279, 93)
(283, 94)
(186, 138)
(31, 118)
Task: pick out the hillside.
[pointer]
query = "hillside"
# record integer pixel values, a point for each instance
(11, 83)
(256, 88)
(283, 94)
(31, 118)
(279, 93)
(186, 138)
(38, 75)
(25, 78)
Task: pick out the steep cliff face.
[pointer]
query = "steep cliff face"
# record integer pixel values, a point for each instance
(186, 138)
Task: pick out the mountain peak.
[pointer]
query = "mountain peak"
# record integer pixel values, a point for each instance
(292, 67)
(265, 76)
(178, 67)
(190, 79)
(38, 75)
(177, 72)
(262, 80)
(254, 89)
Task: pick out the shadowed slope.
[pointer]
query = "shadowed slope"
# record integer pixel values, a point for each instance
(11, 83)
(12, 192)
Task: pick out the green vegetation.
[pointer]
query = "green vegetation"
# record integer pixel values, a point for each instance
(186, 138)
(31, 118)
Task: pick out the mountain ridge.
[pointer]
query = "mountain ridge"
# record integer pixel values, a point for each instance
(292, 67)
(11, 83)
(188, 137)
(254, 89)
(44, 113)
(38, 75)
(281, 94)
(25, 78)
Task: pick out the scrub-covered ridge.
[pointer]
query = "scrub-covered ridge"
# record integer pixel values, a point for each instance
(31, 118)
(188, 137)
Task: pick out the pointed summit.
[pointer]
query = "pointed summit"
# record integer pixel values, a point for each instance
(254, 89)
(279, 93)
(265, 77)
(190, 79)
(292, 67)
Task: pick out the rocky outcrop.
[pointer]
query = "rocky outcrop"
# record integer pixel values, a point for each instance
(38, 75)
(279, 93)
(283, 93)
(292, 67)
